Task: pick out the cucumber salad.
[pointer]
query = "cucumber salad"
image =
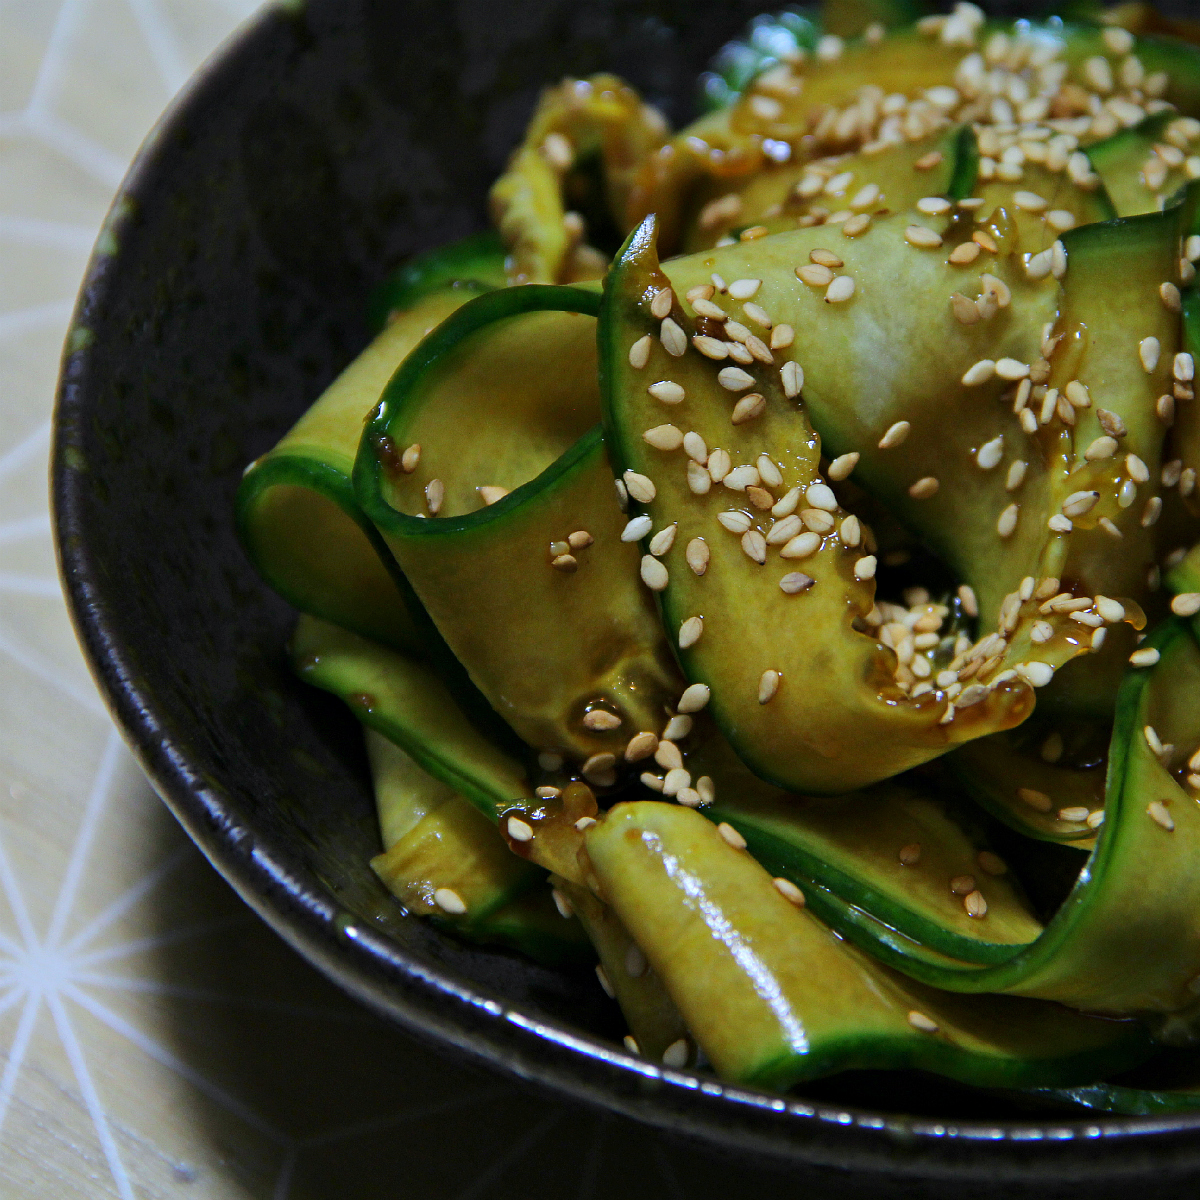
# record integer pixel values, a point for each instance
(763, 562)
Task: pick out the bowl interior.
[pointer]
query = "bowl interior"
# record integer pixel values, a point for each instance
(336, 138)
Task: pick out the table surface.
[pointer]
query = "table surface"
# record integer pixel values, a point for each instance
(156, 1040)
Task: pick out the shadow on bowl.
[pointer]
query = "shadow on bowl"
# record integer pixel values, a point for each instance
(330, 141)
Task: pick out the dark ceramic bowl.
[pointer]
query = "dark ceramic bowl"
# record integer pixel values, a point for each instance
(330, 141)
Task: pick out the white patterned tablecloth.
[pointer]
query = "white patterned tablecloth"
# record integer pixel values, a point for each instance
(156, 1040)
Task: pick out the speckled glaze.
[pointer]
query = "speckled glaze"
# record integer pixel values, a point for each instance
(330, 141)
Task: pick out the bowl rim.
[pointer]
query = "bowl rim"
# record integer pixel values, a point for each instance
(434, 1003)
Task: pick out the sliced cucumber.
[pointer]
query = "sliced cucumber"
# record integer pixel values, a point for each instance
(773, 997)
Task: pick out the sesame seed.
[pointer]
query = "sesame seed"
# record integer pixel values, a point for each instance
(966, 596)
(795, 583)
(1170, 297)
(435, 493)
(1152, 511)
(640, 487)
(600, 718)
(662, 303)
(676, 1054)
(679, 726)
(1144, 658)
(993, 864)
(734, 379)
(599, 763)
(694, 698)
(975, 904)
(675, 780)
(1029, 421)
(635, 962)
(786, 505)
(1030, 202)
(1035, 799)
(640, 746)
(768, 685)
(1076, 813)
(698, 478)
(924, 488)
(1060, 523)
(966, 311)
(768, 472)
(706, 308)
(654, 574)
(1111, 423)
(754, 546)
(841, 466)
(449, 901)
(1011, 369)
(667, 391)
(990, 453)
(783, 530)
(782, 336)
(636, 529)
(1036, 674)
(1041, 631)
(790, 891)
(562, 904)
(548, 760)
(1119, 41)
(964, 253)
(663, 437)
(630, 1043)
(815, 275)
(639, 353)
(490, 495)
(710, 347)
(1079, 503)
(663, 540)
(674, 340)
(740, 478)
(801, 546)
(865, 567)
(1148, 351)
(928, 161)
(719, 464)
(703, 291)
(791, 376)
(960, 885)
(688, 797)
(933, 206)
(1007, 520)
(922, 238)
(707, 789)
(895, 435)
(731, 835)
(918, 1020)
(654, 782)
(519, 831)
(1060, 220)
(695, 448)
(743, 289)
(410, 458)
(981, 372)
(749, 408)
(840, 290)
(1184, 367)
(759, 317)
(1157, 812)
(622, 494)
(820, 495)
(1186, 604)
(697, 555)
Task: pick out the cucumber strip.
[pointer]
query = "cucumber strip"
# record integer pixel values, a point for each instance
(1008, 776)
(654, 1021)
(1121, 161)
(471, 265)
(532, 925)
(773, 998)
(837, 685)
(409, 704)
(516, 368)
(296, 513)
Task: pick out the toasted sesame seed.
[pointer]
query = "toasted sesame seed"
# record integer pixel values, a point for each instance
(1035, 799)
(663, 437)
(749, 408)
(688, 797)
(960, 885)
(768, 685)
(815, 275)
(865, 567)
(760, 317)
(841, 466)
(783, 530)
(981, 372)
(547, 793)
(782, 336)
(698, 479)
(1060, 220)
(1029, 421)
(519, 831)
(731, 835)
(924, 488)
(1169, 294)
(600, 718)
(820, 495)
(743, 289)
(1186, 604)
(786, 505)
(840, 290)
(1111, 423)
(697, 555)
(719, 464)
(703, 291)
(667, 391)
(636, 528)
(410, 458)
(639, 353)
(695, 448)
(1007, 520)
(791, 376)
(933, 206)
(966, 311)
(801, 546)
(734, 379)
(1011, 369)
(789, 891)
(435, 493)
(1184, 367)
(795, 583)
(662, 303)
(694, 698)
(1060, 523)
(710, 347)
(654, 574)
(922, 237)
(918, 1020)
(690, 631)
(1148, 351)
(1079, 503)
(706, 308)
(740, 478)
(975, 904)
(654, 782)
(663, 540)
(679, 726)
(674, 340)
(895, 434)
(640, 487)
(675, 780)
(1157, 812)
(640, 746)
(754, 546)
(964, 253)
(825, 258)
(1030, 202)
